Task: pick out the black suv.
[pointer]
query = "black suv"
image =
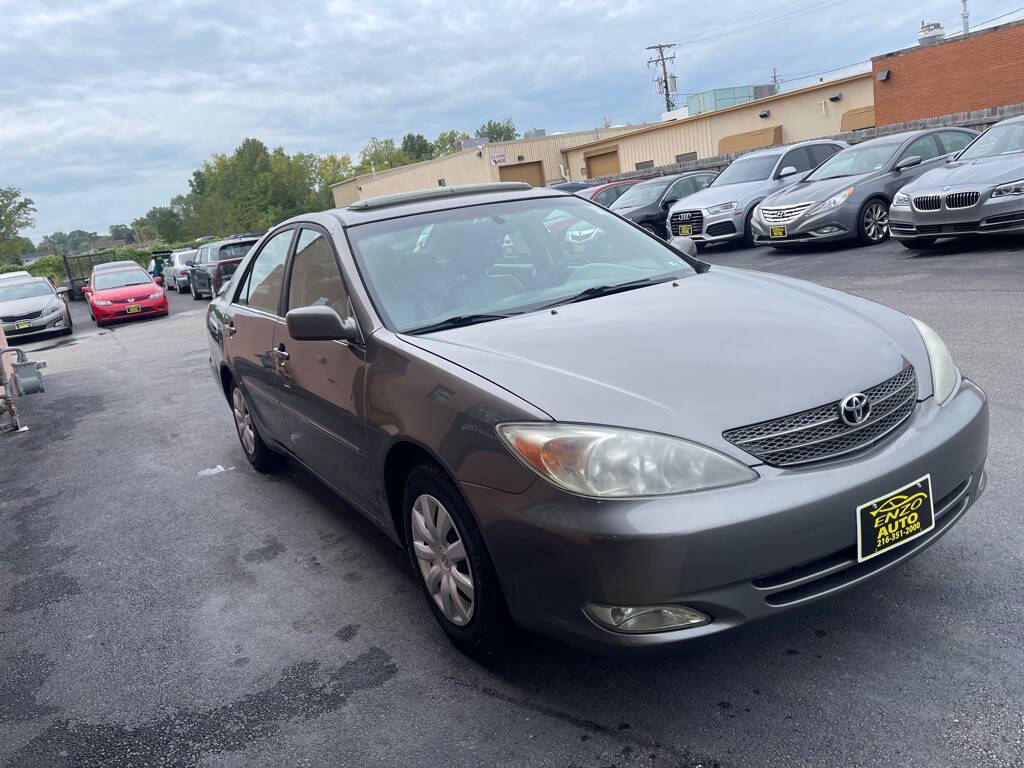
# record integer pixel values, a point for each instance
(215, 262)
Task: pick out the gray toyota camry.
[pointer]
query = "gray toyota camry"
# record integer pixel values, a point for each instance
(603, 439)
(847, 196)
(979, 192)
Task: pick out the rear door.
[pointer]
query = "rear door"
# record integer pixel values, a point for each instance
(251, 322)
(323, 382)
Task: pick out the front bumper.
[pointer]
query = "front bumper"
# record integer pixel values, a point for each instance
(838, 224)
(146, 308)
(49, 322)
(719, 228)
(737, 554)
(988, 217)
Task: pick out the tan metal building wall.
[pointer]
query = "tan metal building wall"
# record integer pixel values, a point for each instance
(475, 166)
(798, 115)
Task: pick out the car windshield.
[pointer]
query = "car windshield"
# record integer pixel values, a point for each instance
(502, 259)
(1005, 139)
(863, 158)
(234, 250)
(642, 194)
(13, 291)
(747, 169)
(120, 278)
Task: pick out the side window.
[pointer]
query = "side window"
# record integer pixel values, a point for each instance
(606, 196)
(954, 141)
(703, 181)
(262, 287)
(822, 152)
(679, 189)
(925, 146)
(799, 158)
(315, 279)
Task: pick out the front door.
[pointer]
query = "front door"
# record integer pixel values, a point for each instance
(250, 325)
(323, 382)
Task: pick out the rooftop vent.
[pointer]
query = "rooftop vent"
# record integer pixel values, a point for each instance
(931, 32)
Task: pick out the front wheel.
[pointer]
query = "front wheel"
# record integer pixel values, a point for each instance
(873, 222)
(918, 242)
(256, 451)
(455, 571)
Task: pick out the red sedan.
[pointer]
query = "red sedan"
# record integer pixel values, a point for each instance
(606, 194)
(123, 293)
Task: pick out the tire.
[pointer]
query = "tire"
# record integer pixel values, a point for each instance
(918, 242)
(256, 451)
(430, 493)
(67, 331)
(748, 230)
(180, 289)
(192, 288)
(872, 215)
(700, 246)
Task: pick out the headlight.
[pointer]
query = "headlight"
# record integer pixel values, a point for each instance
(605, 462)
(716, 209)
(901, 200)
(156, 294)
(944, 372)
(1011, 188)
(833, 202)
(52, 307)
(102, 303)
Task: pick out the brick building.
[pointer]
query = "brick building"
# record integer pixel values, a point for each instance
(963, 73)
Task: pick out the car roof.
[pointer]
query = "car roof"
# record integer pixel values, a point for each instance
(114, 265)
(24, 279)
(230, 241)
(672, 177)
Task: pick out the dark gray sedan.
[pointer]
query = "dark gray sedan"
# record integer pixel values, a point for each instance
(848, 196)
(601, 439)
(979, 192)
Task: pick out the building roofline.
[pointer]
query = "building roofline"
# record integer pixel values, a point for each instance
(953, 38)
(746, 104)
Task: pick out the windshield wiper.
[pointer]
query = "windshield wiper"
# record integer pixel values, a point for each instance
(595, 291)
(458, 321)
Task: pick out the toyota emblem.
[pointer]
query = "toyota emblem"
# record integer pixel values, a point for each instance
(854, 409)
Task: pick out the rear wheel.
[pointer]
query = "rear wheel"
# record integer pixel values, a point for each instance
(180, 288)
(918, 242)
(256, 451)
(192, 288)
(455, 571)
(873, 222)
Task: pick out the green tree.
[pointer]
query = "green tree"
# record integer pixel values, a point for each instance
(494, 131)
(448, 142)
(382, 153)
(11, 250)
(80, 240)
(416, 147)
(17, 212)
(164, 221)
(121, 232)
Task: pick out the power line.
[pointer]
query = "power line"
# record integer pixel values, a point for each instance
(663, 60)
(763, 23)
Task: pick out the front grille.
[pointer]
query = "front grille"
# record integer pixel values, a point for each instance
(1004, 220)
(928, 203)
(819, 434)
(841, 568)
(967, 226)
(783, 214)
(929, 229)
(19, 318)
(130, 301)
(962, 199)
(694, 218)
(721, 228)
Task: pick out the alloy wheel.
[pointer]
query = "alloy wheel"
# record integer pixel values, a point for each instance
(876, 222)
(441, 556)
(243, 421)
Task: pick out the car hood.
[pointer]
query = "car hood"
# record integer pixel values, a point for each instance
(705, 198)
(984, 171)
(815, 191)
(127, 292)
(716, 351)
(24, 306)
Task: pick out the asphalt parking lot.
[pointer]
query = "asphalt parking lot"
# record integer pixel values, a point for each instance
(163, 604)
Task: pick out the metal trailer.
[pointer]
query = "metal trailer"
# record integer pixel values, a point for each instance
(78, 268)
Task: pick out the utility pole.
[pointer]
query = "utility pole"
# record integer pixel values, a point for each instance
(965, 15)
(775, 78)
(663, 60)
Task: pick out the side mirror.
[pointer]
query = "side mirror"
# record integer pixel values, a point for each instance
(320, 323)
(789, 170)
(62, 291)
(684, 245)
(158, 280)
(86, 290)
(908, 162)
(189, 263)
(669, 202)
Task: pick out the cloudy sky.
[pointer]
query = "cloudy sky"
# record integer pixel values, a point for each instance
(106, 106)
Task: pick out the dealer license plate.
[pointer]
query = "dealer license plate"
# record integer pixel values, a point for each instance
(894, 519)
(22, 326)
(778, 232)
(133, 308)
(685, 229)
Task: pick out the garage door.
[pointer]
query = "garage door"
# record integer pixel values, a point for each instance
(531, 173)
(605, 164)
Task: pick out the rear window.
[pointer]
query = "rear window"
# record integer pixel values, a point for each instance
(234, 250)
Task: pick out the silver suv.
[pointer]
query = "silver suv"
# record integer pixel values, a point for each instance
(722, 211)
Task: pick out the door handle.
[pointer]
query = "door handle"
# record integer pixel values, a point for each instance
(230, 329)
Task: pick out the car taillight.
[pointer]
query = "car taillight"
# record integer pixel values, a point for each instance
(183, 272)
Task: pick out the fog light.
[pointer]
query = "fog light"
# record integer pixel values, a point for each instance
(636, 620)
(59, 323)
(829, 230)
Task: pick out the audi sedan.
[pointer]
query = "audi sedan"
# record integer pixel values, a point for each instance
(123, 293)
(979, 192)
(847, 197)
(604, 440)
